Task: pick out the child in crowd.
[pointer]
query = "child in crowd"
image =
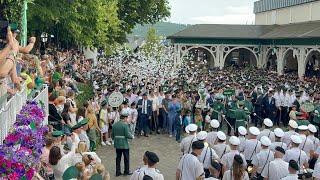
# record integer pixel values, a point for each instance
(198, 119)
(187, 119)
(134, 117)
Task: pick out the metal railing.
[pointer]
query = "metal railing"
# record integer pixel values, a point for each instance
(11, 108)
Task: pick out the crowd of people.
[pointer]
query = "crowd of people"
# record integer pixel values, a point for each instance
(211, 106)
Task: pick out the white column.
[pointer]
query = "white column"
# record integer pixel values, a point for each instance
(301, 62)
(221, 56)
(280, 60)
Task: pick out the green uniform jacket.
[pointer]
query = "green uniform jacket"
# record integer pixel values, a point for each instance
(231, 109)
(217, 106)
(241, 117)
(120, 135)
(248, 105)
(316, 118)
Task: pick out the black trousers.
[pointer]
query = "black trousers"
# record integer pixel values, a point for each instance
(284, 116)
(232, 122)
(125, 153)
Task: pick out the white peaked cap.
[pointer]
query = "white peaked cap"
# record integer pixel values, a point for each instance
(293, 124)
(233, 140)
(221, 135)
(202, 135)
(268, 122)
(265, 141)
(242, 130)
(254, 131)
(312, 128)
(296, 139)
(214, 123)
(278, 132)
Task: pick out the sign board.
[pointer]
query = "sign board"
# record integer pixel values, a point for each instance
(115, 99)
(229, 92)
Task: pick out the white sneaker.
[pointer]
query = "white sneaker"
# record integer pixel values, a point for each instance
(112, 143)
(170, 135)
(103, 144)
(108, 143)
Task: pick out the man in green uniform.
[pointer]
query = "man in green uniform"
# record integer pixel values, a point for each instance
(218, 108)
(241, 117)
(120, 135)
(248, 106)
(232, 107)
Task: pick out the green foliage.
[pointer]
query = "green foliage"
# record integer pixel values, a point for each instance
(133, 12)
(87, 94)
(163, 29)
(79, 22)
(153, 48)
(90, 23)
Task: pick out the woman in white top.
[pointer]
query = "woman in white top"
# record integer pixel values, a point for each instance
(60, 162)
(82, 150)
(238, 171)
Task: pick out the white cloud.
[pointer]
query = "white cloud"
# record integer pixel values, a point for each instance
(225, 19)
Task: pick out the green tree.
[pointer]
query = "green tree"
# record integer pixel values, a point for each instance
(80, 22)
(153, 47)
(134, 12)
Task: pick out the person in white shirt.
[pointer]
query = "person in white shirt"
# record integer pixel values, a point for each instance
(227, 159)
(152, 160)
(278, 132)
(207, 155)
(221, 147)
(104, 123)
(296, 153)
(237, 170)
(261, 160)
(293, 169)
(267, 130)
(215, 171)
(155, 111)
(138, 171)
(212, 136)
(287, 135)
(277, 168)
(251, 146)
(186, 143)
(190, 168)
(306, 144)
(316, 172)
(134, 117)
(242, 136)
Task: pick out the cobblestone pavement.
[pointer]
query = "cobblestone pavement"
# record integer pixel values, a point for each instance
(166, 148)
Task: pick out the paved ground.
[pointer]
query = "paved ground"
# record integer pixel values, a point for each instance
(167, 149)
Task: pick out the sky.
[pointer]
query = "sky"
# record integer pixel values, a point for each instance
(212, 11)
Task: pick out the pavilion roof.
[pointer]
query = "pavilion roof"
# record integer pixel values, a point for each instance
(225, 31)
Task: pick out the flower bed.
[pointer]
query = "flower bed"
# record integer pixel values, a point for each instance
(21, 150)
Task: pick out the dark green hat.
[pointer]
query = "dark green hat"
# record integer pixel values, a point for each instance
(96, 177)
(84, 121)
(77, 126)
(71, 173)
(57, 133)
(104, 103)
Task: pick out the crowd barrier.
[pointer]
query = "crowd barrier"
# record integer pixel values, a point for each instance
(12, 107)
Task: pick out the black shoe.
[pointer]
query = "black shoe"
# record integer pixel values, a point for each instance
(118, 174)
(127, 174)
(158, 132)
(146, 135)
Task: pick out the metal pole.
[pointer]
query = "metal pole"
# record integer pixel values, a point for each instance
(24, 23)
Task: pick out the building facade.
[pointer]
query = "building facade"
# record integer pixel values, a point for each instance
(270, 12)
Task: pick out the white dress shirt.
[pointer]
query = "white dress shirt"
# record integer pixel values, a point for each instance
(276, 170)
(190, 167)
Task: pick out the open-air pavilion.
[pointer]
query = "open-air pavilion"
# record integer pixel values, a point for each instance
(282, 48)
